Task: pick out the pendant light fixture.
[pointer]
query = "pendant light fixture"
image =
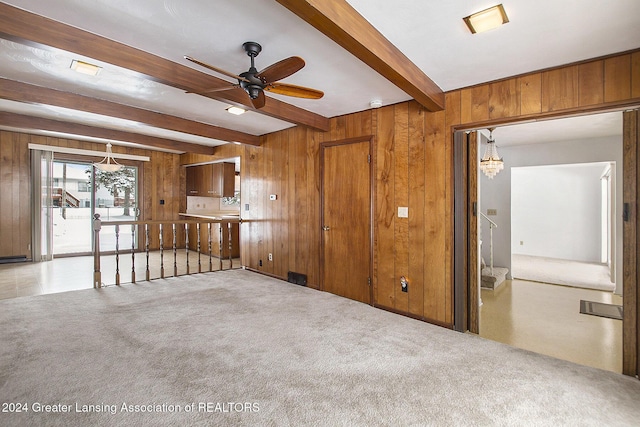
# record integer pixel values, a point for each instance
(108, 164)
(491, 162)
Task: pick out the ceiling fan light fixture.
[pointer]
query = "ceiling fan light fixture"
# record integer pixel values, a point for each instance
(486, 19)
(255, 82)
(85, 68)
(236, 110)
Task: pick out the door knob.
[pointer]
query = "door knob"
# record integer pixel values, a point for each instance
(325, 228)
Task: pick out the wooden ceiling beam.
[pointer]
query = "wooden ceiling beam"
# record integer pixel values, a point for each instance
(35, 30)
(21, 121)
(24, 92)
(344, 25)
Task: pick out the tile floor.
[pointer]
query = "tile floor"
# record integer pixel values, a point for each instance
(546, 319)
(73, 273)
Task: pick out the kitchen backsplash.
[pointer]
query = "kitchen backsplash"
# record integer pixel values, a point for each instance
(203, 205)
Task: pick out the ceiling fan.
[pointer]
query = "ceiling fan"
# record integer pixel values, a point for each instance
(255, 82)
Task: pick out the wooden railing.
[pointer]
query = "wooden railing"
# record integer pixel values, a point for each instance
(63, 198)
(180, 231)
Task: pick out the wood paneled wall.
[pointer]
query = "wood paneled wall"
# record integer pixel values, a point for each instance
(611, 82)
(412, 168)
(15, 196)
(162, 179)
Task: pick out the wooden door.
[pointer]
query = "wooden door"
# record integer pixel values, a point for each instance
(346, 219)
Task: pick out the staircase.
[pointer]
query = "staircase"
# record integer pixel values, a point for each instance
(63, 198)
(492, 277)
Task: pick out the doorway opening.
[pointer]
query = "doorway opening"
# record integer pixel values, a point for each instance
(563, 224)
(520, 312)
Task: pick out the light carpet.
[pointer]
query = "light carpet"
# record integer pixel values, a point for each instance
(238, 348)
(561, 272)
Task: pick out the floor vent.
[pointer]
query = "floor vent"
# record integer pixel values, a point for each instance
(8, 259)
(297, 278)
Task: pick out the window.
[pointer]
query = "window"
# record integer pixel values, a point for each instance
(84, 187)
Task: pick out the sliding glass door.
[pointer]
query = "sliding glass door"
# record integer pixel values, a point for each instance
(73, 192)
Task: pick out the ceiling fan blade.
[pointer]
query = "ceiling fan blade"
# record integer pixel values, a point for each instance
(259, 101)
(293, 90)
(218, 89)
(281, 69)
(216, 69)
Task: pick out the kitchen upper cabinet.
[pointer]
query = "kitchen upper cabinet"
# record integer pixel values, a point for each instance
(224, 179)
(211, 180)
(199, 180)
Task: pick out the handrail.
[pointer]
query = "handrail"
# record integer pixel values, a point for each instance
(212, 220)
(491, 226)
(489, 219)
(172, 228)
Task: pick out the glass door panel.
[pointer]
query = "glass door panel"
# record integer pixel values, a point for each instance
(116, 199)
(71, 207)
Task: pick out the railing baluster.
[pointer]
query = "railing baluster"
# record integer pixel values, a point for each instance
(230, 247)
(220, 245)
(97, 274)
(161, 253)
(186, 244)
(175, 253)
(198, 231)
(133, 253)
(210, 246)
(117, 255)
(146, 250)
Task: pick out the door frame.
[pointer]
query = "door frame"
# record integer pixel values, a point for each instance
(369, 139)
(465, 195)
(630, 224)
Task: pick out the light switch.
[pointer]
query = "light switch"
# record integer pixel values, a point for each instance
(403, 212)
(492, 212)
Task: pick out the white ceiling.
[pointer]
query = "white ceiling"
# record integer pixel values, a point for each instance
(577, 128)
(431, 33)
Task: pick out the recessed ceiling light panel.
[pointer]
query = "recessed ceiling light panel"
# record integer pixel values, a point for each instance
(487, 19)
(85, 68)
(236, 110)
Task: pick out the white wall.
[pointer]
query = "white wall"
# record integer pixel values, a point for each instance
(556, 211)
(496, 193)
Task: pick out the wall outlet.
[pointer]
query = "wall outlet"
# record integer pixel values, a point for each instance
(403, 212)
(270, 257)
(273, 196)
(260, 263)
(404, 284)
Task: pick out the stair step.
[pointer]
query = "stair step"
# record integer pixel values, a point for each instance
(492, 281)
